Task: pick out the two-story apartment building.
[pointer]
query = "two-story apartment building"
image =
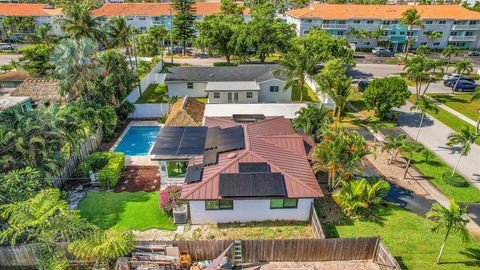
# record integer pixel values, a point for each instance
(459, 26)
(40, 13)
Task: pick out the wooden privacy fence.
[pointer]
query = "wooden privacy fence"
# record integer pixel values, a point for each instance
(254, 251)
(316, 225)
(83, 150)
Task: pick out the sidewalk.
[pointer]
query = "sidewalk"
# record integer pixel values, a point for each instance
(454, 112)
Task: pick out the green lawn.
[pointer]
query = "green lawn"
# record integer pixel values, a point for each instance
(460, 103)
(155, 93)
(434, 169)
(202, 99)
(410, 239)
(132, 210)
(308, 94)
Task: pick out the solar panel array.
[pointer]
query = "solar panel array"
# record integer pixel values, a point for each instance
(179, 142)
(250, 167)
(252, 185)
(230, 139)
(194, 173)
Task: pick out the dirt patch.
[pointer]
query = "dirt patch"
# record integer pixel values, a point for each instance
(139, 178)
(249, 230)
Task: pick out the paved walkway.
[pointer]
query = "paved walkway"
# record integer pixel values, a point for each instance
(454, 112)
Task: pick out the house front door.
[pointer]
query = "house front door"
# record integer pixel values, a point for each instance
(229, 97)
(235, 97)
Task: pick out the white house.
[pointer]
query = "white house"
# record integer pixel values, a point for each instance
(240, 84)
(240, 168)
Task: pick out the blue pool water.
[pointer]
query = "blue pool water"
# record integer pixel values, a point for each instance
(138, 141)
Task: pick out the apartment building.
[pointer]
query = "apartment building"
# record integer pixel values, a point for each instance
(459, 26)
(40, 13)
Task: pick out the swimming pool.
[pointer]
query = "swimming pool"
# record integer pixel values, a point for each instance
(138, 140)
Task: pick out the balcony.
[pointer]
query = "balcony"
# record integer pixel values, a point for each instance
(335, 26)
(414, 28)
(466, 27)
(386, 27)
(462, 38)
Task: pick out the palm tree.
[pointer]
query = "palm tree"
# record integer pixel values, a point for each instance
(120, 34)
(423, 105)
(410, 18)
(476, 96)
(42, 36)
(392, 145)
(77, 21)
(464, 139)
(410, 148)
(451, 220)
(338, 89)
(312, 119)
(462, 67)
(376, 127)
(295, 65)
(448, 52)
(433, 35)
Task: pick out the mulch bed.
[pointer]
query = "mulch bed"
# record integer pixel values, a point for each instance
(139, 178)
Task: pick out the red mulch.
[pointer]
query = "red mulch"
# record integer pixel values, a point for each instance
(139, 178)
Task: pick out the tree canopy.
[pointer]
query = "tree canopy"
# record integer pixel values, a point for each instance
(384, 94)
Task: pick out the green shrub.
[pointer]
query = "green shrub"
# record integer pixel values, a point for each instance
(224, 64)
(109, 175)
(456, 180)
(94, 162)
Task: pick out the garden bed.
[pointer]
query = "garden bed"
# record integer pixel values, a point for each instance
(139, 178)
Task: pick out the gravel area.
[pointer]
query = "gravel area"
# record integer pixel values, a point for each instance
(139, 178)
(340, 265)
(154, 235)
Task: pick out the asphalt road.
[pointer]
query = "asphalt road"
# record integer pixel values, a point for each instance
(6, 58)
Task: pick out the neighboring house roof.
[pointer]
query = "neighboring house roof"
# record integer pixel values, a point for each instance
(153, 9)
(240, 73)
(273, 141)
(38, 90)
(186, 112)
(7, 101)
(232, 86)
(15, 76)
(27, 9)
(386, 12)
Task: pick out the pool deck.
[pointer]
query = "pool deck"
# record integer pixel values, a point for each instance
(136, 160)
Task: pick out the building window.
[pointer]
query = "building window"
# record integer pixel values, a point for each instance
(216, 94)
(442, 22)
(423, 44)
(305, 32)
(129, 18)
(356, 21)
(274, 88)
(428, 22)
(468, 33)
(367, 43)
(436, 44)
(143, 29)
(219, 205)
(340, 33)
(402, 33)
(369, 21)
(249, 94)
(283, 203)
(141, 18)
(308, 21)
(177, 168)
(190, 85)
(392, 33)
(473, 22)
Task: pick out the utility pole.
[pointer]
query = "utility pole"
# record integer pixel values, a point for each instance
(136, 60)
(171, 37)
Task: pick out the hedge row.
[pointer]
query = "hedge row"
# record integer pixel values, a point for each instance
(109, 166)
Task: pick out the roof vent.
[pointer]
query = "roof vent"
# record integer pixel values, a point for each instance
(231, 155)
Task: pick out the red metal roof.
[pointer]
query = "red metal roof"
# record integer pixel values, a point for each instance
(272, 140)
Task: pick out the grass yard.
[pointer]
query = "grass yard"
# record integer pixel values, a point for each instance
(155, 93)
(460, 103)
(131, 210)
(202, 99)
(434, 169)
(410, 239)
(308, 94)
(363, 114)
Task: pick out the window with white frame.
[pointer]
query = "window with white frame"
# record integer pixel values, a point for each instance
(249, 94)
(274, 88)
(190, 85)
(216, 94)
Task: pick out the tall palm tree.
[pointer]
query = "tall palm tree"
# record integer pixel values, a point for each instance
(338, 89)
(376, 127)
(78, 22)
(295, 65)
(462, 67)
(464, 139)
(476, 96)
(451, 220)
(311, 120)
(423, 105)
(448, 52)
(119, 34)
(410, 148)
(392, 145)
(410, 18)
(433, 35)
(42, 36)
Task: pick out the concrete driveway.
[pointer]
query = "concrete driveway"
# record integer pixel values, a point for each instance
(6, 58)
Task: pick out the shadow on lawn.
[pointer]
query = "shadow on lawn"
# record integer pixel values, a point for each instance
(106, 208)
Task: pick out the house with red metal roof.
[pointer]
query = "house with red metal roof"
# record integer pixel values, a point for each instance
(240, 168)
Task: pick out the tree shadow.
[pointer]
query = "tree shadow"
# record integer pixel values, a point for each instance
(472, 253)
(401, 262)
(412, 119)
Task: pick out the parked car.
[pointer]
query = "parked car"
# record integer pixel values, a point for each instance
(474, 53)
(451, 82)
(464, 86)
(362, 85)
(384, 52)
(6, 47)
(451, 76)
(376, 49)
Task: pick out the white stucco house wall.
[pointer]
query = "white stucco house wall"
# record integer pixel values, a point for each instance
(240, 84)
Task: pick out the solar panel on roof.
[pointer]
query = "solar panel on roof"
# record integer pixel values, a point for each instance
(252, 185)
(247, 118)
(230, 139)
(210, 157)
(179, 142)
(212, 138)
(194, 173)
(253, 167)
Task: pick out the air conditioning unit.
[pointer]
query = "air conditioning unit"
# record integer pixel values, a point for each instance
(180, 214)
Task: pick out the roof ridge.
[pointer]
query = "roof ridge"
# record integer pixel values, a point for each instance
(263, 138)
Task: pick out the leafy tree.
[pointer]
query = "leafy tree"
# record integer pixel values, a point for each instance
(42, 36)
(311, 120)
(119, 34)
(421, 68)
(382, 95)
(410, 18)
(450, 219)
(20, 185)
(230, 7)
(423, 50)
(183, 21)
(392, 145)
(36, 60)
(158, 32)
(339, 153)
(423, 105)
(13, 24)
(434, 35)
(325, 47)
(462, 67)
(146, 45)
(216, 32)
(464, 139)
(104, 246)
(448, 52)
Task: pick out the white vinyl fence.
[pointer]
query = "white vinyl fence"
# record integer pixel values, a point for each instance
(153, 110)
(325, 99)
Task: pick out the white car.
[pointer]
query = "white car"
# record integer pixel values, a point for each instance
(451, 76)
(376, 49)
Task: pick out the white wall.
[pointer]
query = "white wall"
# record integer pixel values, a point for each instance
(152, 110)
(242, 97)
(286, 110)
(248, 210)
(280, 96)
(180, 89)
(324, 98)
